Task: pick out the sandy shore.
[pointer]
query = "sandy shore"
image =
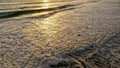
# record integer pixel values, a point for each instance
(105, 54)
(61, 35)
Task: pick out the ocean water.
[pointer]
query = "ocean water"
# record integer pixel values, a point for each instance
(21, 5)
(14, 1)
(18, 8)
(32, 32)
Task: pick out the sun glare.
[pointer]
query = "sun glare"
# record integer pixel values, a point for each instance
(46, 0)
(46, 6)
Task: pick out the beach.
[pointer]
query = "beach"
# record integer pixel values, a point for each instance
(60, 34)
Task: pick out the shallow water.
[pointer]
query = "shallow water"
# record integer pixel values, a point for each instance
(33, 31)
(14, 1)
(16, 8)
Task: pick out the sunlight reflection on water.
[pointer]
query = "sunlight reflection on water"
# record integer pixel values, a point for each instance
(46, 5)
(49, 27)
(45, 0)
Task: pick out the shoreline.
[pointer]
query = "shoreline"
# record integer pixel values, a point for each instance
(99, 55)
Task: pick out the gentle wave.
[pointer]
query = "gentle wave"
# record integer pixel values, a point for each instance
(25, 10)
(18, 13)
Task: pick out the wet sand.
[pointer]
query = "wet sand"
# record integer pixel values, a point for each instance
(105, 54)
(60, 35)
